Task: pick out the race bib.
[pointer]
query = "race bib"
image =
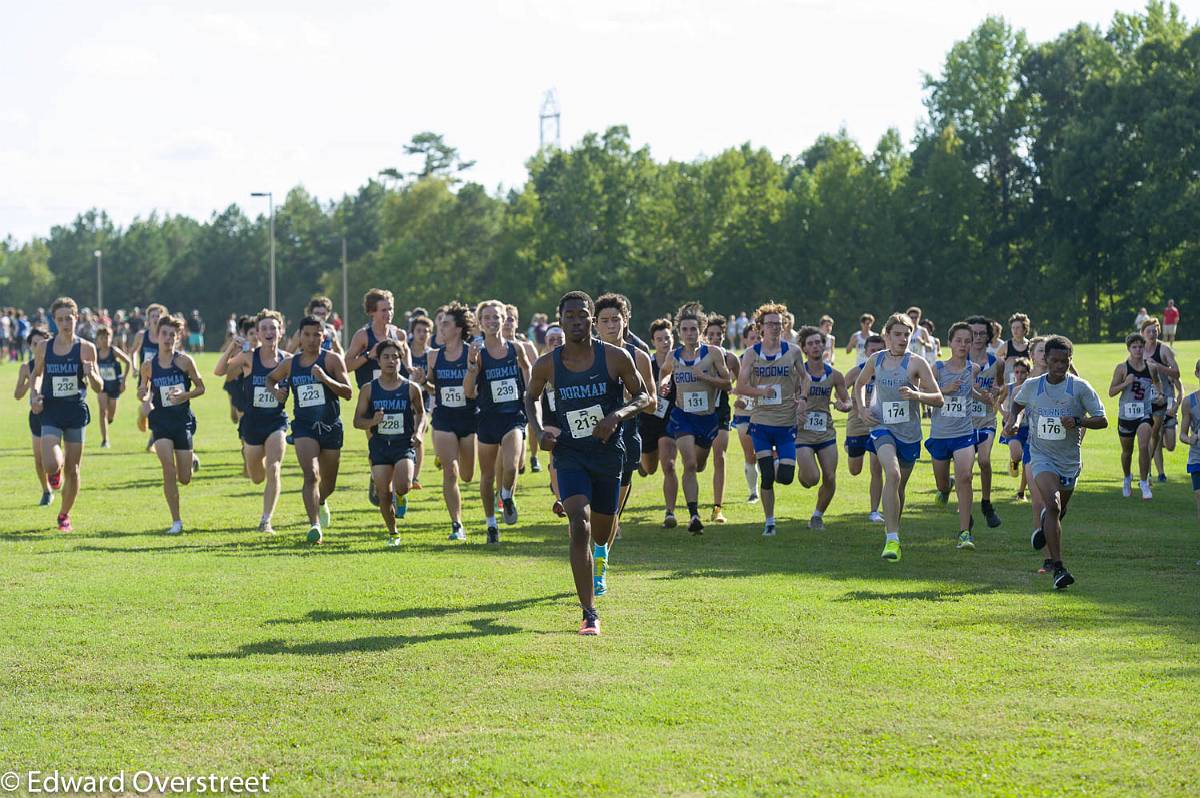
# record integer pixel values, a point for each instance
(504, 390)
(392, 424)
(955, 407)
(663, 406)
(166, 394)
(310, 395)
(582, 422)
(695, 401)
(108, 373)
(64, 386)
(978, 409)
(816, 421)
(453, 396)
(1050, 428)
(895, 412)
(265, 398)
(774, 398)
(1132, 410)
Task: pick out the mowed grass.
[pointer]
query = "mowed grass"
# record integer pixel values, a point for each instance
(729, 663)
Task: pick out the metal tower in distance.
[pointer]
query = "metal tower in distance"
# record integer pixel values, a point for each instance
(549, 122)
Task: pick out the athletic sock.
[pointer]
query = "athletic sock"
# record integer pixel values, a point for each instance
(750, 471)
(505, 493)
(599, 551)
(694, 508)
(491, 521)
(770, 520)
(816, 514)
(892, 536)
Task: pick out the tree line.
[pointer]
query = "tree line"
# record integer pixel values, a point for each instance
(1061, 179)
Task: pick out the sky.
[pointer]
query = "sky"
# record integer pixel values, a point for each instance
(141, 107)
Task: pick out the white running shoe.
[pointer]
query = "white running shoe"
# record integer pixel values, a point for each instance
(875, 517)
(176, 528)
(1145, 486)
(1126, 486)
(769, 531)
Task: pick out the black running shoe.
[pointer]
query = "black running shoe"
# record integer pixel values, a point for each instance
(696, 527)
(1047, 566)
(1038, 538)
(493, 536)
(534, 465)
(989, 512)
(1062, 578)
(509, 511)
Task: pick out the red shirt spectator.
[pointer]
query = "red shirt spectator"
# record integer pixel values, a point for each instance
(1171, 314)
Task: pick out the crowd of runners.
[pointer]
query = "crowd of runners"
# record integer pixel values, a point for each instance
(610, 409)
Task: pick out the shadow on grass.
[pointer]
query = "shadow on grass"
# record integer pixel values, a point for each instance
(321, 616)
(483, 627)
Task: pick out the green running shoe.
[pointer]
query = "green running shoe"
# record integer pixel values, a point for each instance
(891, 551)
(965, 540)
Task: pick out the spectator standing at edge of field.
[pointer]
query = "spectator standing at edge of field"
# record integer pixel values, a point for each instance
(743, 321)
(1140, 320)
(195, 326)
(1170, 321)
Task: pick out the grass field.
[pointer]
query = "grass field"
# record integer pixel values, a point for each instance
(729, 664)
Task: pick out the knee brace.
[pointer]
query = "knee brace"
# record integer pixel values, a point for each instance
(787, 472)
(766, 472)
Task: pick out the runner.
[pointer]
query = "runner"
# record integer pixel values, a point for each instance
(114, 366)
(379, 305)
(1017, 346)
(1018, 446)
(454, 418)
(858, 341)
(858, 434)
(263, 427)
(419, 350)
(951, 432)
(318, 379)
(658, 448)
(145, 345)
(554, 338)
(983, 409)
(1138, 382)
(715, 335)
(1060, 407)
(826, 327)
(742, 406)
(390, 408)
(245, 339)
(321, 309)
(698, 371)
(772, 374)
(918, 342)
(902, 384)
(63, 368)
(166, 387)
(511, 332)
(1165, 422)
(497, 373)
(36, 339)
(816, 439)
(612, 324)
(585, 441)
(1191, 436)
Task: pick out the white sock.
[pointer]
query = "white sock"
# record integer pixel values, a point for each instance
(816, 514)
(505, 493)
(770, 520)
(751, 472)
(491, 520)
(892, 536)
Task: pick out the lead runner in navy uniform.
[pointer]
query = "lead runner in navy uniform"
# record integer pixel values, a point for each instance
(169, 381)
(497, 373)
(391, 410)
(612, 324)
(63, 367)
(453, 413)
(588, 377)
(263, 427)
(318, 379)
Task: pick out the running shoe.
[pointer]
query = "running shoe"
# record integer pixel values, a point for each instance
(875, 517)
(1021, 497)
(768, 530)
(1062, 578)
(508, 512)
(176, 528)
(1127, 487)
(816, 522)
(64, 522)
(416, 484)
(265, 527)
(696, 526)
(323, 515)
(1038, 538)
(891, 551)
(521, 468)
(752, 498)
(989, 512)
(372, 494)
(1047, 566)
(55, 480)
(534, 465)
(1162, 477)
(400, 503)
(1145, 486)
(558, 509)
(591, 624)
(47, 497)
(1014, 468)
(195, 463)
(314, 535)
(393, 541)
(599, 575)
(493, 536)
(943, 496)
(669, 521)
(437, 462)
(104, 444)
(457, 532)
(717, 516)
(965, 540)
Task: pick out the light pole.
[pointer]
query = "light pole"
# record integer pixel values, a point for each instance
(345, 293)
(271, 207)
(99, 280)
